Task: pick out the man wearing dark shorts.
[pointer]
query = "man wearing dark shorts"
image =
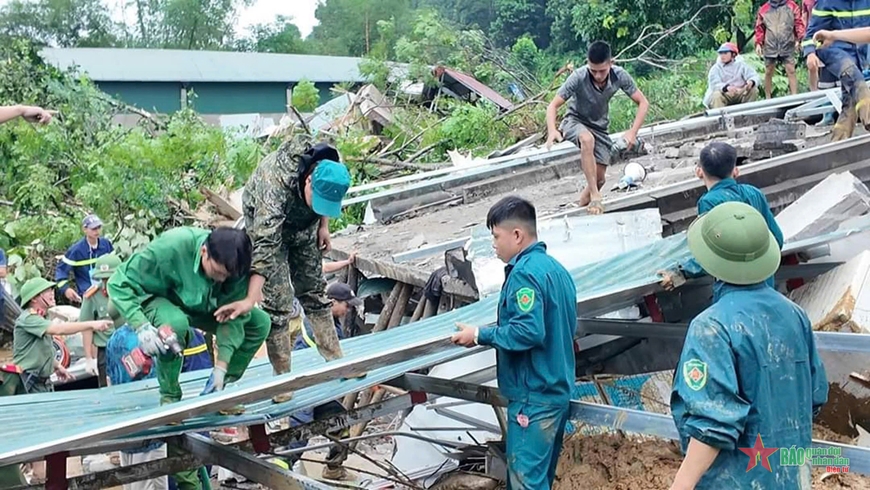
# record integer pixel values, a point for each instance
(779, 27)
(590, 89)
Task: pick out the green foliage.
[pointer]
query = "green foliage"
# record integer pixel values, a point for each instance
(305, 96)
(350, 27)
(82, 162)
(525, 53)
(281, 36)
(672, 95)
(472, 128)
(516, 18)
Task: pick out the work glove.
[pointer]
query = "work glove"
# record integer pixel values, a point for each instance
(91, 366)
(215, 381)
(149, 341)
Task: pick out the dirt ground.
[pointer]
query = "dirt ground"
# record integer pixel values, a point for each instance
(614, 462)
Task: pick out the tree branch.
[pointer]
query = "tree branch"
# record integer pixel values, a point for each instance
(658, 37)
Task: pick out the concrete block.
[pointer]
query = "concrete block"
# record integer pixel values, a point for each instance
(778, 130)
(821, 210)
(839, 300)
(739, 133)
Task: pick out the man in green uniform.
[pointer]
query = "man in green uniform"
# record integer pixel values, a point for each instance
(287, 205)
(32, 349)
(181, 279)
(534, 343)
(33, 353)
(96, 306)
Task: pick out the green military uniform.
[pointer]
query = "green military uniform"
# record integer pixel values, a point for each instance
(96, 306)
(32, 351)
(33, 359)
(283, 229)
(165, 285)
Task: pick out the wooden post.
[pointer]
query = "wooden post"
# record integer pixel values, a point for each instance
(376, 395)
(55, 471)
(431, 308)
(421, 307)
(389, 305)
(353, 283)
(401, 306)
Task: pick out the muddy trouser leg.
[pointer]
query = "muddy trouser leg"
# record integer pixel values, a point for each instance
(102, 376)
(533, 451)
(277, 303)
(843, 66)
(306, 271)
(161, 311)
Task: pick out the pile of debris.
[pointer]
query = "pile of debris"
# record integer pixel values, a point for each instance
(618, 462)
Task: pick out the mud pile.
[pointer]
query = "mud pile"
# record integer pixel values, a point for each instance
(614, 462)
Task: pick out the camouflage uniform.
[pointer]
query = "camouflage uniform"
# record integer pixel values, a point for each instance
(283, 229)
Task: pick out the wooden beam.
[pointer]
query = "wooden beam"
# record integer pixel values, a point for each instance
(222, 205)
(389, 306)
(401, 306)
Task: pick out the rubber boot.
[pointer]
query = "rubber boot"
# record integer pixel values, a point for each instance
(279, 348)
(335, 474)
(845, 124)
(862, 107)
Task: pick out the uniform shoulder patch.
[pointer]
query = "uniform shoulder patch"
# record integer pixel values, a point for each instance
(525, 299)
(695, 374)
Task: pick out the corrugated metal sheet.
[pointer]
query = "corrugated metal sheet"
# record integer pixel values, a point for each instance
(176, 65)
(452, 77)
(86, 410)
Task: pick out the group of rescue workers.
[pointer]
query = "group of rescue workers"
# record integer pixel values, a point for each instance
(260, 284)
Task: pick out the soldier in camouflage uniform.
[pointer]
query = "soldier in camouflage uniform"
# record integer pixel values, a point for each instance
(287, 204)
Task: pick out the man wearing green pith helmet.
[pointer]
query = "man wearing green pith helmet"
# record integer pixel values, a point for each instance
(749, 376)
(287, 205)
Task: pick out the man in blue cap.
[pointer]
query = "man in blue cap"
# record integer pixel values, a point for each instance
(80, 259)
(287, 204)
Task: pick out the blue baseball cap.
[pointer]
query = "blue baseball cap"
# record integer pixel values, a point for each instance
(329, 184)
(92, 222)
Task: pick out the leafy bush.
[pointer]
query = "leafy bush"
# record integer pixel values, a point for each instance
(305, 96)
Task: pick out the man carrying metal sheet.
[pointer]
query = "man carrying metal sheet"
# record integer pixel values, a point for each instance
(718, 169)
(842, 59)
(183, 278)
(287, 205)
(534, 342)
(749, 379)
(586, 124)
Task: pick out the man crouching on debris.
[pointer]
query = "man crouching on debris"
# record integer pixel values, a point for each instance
(749, 378)
(590, 89)
(534, 343)
(287, 205)
(181, 279)
(718, 169)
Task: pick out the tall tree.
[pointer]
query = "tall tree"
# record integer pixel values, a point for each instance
(281, 36)
(350, 27)
(59, 23)
(513, 18)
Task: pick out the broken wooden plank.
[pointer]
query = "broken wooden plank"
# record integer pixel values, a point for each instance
(222, 205)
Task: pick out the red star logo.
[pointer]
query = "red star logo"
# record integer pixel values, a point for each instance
(758, 451)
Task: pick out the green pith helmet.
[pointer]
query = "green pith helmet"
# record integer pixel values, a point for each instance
(105, 266)
(33, 288)
(733, 244)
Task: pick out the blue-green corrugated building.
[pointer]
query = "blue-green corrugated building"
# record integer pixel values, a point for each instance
(224, 82)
